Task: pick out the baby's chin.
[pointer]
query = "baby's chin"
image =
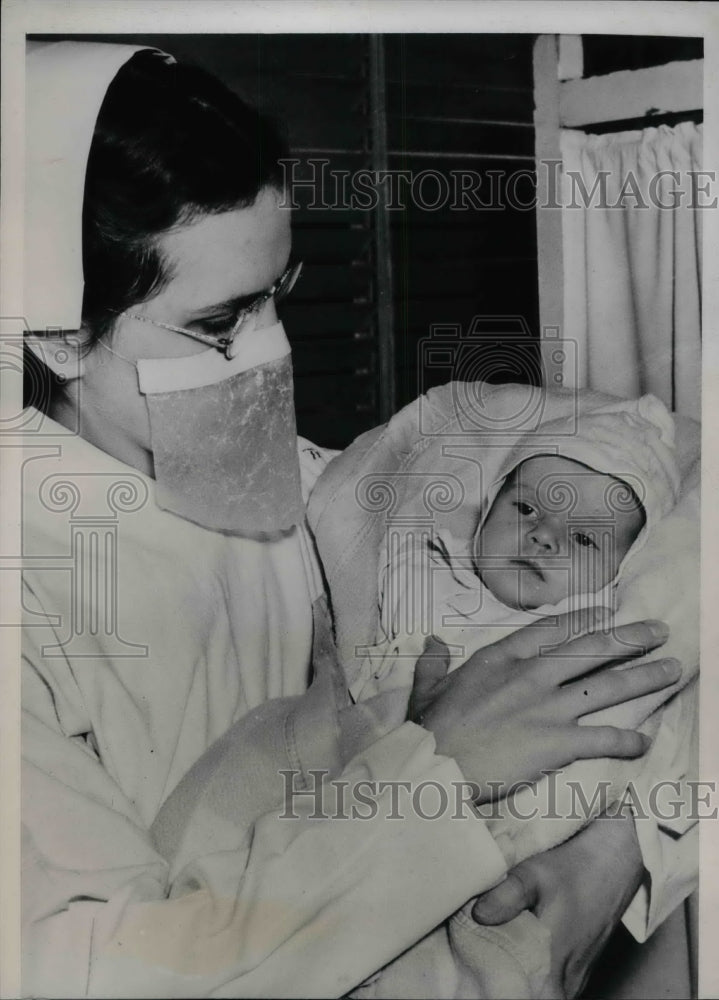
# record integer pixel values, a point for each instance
(509, 587)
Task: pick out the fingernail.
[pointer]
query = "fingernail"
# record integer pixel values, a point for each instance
(659, 630)
(672, 668)
(486, 911)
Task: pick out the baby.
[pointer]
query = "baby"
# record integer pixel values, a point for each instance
(571, 502)
(567, 506)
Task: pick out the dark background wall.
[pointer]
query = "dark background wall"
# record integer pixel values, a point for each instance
(394, 300)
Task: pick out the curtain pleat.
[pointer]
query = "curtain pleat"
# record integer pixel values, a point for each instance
(631, 223)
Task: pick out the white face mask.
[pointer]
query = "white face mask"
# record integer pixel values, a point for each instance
(223, 435)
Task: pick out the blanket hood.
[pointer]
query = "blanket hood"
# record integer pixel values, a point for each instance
(631, 440)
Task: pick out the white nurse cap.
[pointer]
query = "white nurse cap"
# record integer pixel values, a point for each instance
(66, 83)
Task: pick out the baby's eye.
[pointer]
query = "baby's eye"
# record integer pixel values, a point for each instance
(585, 540)
(525, 509)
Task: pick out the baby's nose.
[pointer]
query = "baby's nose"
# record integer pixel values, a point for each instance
(545, 537)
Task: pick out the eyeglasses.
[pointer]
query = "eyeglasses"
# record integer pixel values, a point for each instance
(280, 290)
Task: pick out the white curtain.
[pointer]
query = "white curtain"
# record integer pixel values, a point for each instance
(631, 233)
(632, 262)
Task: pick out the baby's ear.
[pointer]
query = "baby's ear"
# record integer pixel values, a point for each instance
(61, 353)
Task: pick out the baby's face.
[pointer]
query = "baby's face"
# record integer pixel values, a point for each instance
(556, 528)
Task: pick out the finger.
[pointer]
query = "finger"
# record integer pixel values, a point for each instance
(527, 642)
(607, 741)
(612, 687)
(507, 900)
(431, 667)
(587, 652)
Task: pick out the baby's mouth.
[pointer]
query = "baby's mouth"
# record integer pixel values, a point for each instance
(531, 565)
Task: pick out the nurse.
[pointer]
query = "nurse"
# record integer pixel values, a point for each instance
(179, 679)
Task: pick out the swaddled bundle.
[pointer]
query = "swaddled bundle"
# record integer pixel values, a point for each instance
(573, 501)
(373, 513)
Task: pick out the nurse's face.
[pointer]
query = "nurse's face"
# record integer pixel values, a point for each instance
(214, 264)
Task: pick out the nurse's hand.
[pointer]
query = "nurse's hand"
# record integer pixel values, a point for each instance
(511, 711)
(578, 890)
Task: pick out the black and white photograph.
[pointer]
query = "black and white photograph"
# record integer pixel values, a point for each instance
(355, 359)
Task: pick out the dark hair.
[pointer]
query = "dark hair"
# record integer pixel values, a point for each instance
(171, 144)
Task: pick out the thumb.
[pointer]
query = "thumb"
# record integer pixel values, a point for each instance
(506, 901)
